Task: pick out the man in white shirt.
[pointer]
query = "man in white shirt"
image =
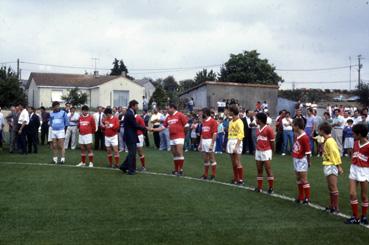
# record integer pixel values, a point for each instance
(71, 134)
(99, 136)
(22, 124)
(155, 121)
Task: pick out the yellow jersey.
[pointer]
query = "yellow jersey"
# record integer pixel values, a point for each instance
(331, 153)
(235, 129)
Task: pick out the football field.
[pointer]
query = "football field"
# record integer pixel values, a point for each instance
(43, 203)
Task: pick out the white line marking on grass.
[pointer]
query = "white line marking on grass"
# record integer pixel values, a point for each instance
(249, 188)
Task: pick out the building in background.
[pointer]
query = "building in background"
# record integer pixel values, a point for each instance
(44, 88)
(207, 94)
(149, 87)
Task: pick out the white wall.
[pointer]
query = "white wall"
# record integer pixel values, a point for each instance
(136, 91)
(33, 95)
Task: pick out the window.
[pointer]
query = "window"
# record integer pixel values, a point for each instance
(56, 95)
(120, 98)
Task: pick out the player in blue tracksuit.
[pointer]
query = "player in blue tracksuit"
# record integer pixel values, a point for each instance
(58, 121)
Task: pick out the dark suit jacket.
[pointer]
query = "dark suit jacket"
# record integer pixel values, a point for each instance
(34, 124)
(131, 127)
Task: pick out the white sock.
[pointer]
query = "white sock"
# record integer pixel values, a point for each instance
(55, 159)
(62, 159)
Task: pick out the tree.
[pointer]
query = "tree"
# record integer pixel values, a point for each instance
(204, 75)
(159, 96)
(247, 67)
(119, 68)
(186, 85)
(10, 92)
(75, 97)
(363, 93)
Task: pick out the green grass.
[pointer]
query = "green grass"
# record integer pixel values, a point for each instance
(58, 205)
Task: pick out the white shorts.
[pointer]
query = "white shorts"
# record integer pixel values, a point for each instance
(111, 141)
(263, 155)
(300, 164)
(205, 145)
(85, 139)
(231, 145)
(57, 134)
(359, 173)
(330, 170)
(349, 143)
(140, 141)
(179, 141)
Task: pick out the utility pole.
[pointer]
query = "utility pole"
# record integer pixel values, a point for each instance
(350, 72)
(293, 85)
(95, 61)
(18, 73)
(359, 70)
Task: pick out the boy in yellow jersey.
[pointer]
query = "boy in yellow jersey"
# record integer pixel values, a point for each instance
(234, 145)
(332, 165)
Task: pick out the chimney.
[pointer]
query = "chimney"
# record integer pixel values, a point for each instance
(123, 74)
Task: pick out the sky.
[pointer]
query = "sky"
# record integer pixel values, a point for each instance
(156, 38)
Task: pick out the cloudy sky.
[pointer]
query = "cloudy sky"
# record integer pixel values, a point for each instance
(164, 34)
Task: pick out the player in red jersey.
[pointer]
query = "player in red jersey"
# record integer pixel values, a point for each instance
(87, 127)
(110, 125)
(263, 154)
(176, 122)
(207, 143)
(301, 160)
(140, 144)
(359, 174)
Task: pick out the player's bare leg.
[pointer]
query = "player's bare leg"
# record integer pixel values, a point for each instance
(213, 164)
(83, 156)
(179, 149)
(55, 150)
(333, 190)
(62, 150)
(90, 154)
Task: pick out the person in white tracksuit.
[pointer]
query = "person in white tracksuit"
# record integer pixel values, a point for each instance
(72, 130)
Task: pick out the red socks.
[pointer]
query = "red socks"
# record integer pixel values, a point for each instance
(142, 160)
(364, 208)
(301, 191)
(110, 158)
(91, 157)
(214, 168)
(240, 173)
(260, 182)
(178, 163)
(235, 174)
(206, 169)
(83, 157)
(355, 208)
(270, 181)
(116, 158)
(306, 187)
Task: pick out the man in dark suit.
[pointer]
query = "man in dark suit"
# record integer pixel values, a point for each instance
(32, 130)
(130, 138)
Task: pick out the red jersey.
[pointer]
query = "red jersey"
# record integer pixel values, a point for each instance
(301, 147)
(140, 122)
(176, 124)
(264, 136)
(360, 155)
(86, 125)
(209, 128)
(110, 126)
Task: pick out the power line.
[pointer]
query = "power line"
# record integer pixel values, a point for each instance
(314, 82)
(318, 69)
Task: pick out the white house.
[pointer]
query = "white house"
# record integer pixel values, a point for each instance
(44, 88)
(149, 87)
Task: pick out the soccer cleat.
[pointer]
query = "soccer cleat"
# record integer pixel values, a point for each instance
(240, 182)
(234, 182)
(306, 201)
(142, 169)
(334, 211)
(298, 201)
(62, 160)
(81, 164)
(283, 154)
(174, 172)
(270, 191)
(364, 220)
(55, 160)
(203, 177)
(212, 177)
(180, 172)
(352, 221)
(91, 165)
(258, 190)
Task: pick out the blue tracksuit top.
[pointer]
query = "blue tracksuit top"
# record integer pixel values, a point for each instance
(59, 120)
